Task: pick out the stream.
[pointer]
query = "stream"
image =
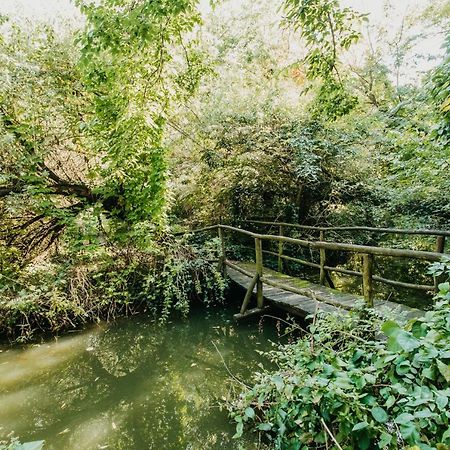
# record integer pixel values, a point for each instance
(132, 384)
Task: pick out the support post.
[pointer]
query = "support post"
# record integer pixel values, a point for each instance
(259, 272)
(322, 260)
(368, 279)
(280, 250)
(248, 294)
(440, 247)
(222, 255)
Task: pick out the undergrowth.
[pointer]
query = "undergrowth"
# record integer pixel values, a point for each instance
(107, 282)
(357, 382)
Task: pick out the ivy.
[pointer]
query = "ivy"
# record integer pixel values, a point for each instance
(362, 380)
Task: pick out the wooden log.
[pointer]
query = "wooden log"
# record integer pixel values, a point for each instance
(368, 279)
(291, 258)
(222, 256)
(356, 228)
(419, 287)
(249, 293)
(322, 259)
(383, 251)
(259, 271)
(238, 268)
(251, 313)
(440, 246)
(280, 250)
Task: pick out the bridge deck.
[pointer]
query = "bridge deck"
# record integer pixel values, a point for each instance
(317, 298)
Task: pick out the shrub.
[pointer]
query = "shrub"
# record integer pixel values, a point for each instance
(105, 283)
(357, 381)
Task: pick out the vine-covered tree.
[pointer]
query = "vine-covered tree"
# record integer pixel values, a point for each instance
(82, 125)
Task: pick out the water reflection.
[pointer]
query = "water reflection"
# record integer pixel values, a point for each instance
(132, 385)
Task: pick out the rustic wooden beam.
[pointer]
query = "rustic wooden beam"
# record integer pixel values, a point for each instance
(368, 279)
(440, 247)
(259, 272)
(249, 293)
(355, 228)
(322, 259)
(251, 313)
(222, 256)
(291, 258)
(280, 250)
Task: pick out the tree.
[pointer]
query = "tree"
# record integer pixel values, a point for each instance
(328, 30)
(82, 126)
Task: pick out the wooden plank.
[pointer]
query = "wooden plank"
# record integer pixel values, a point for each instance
(303, 305)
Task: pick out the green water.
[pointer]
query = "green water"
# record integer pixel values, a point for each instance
(131, 385)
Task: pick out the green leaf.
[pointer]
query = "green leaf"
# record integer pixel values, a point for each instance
(249, 412)
(264, 426)
(404, 418)
(379, 414)
(360, 426)
(385, 440)
(444, 369)
(390, 327)
(239, 430)
(409, 432)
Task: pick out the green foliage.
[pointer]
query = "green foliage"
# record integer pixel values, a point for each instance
(127, 60)
(328, 30)
(344, 380)
(440, 92)
(104, 283)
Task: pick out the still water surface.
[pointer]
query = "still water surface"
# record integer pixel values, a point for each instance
(131, 385)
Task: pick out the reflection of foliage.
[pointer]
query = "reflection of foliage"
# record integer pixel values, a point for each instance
(135, 384)
(340, 383)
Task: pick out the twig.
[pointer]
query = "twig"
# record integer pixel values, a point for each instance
(331, 434)
(227, 369)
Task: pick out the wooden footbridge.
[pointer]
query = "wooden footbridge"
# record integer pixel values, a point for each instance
(301, 297)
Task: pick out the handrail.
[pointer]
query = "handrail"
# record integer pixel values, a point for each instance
(367, 252)
(327, 245)
(355, 248)
(354, 228)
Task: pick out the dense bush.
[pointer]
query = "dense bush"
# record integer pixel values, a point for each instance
(107, 283)
(357, 381)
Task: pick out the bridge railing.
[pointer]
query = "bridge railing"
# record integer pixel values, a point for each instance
(368, 254)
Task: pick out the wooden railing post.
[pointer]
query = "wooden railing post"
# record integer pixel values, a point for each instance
(440, 247)
(280, 250)
(259, 272)
(368, 279)
(222, 255)
(322, 259)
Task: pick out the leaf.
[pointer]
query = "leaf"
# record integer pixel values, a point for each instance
(239, 430)
(444, 369)
(249, 412)
(265, 426)
(390, 327)
(403, 340)
(385, 440)
(408, 431)
(404, 418)
(360, 426)
(379, 414)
